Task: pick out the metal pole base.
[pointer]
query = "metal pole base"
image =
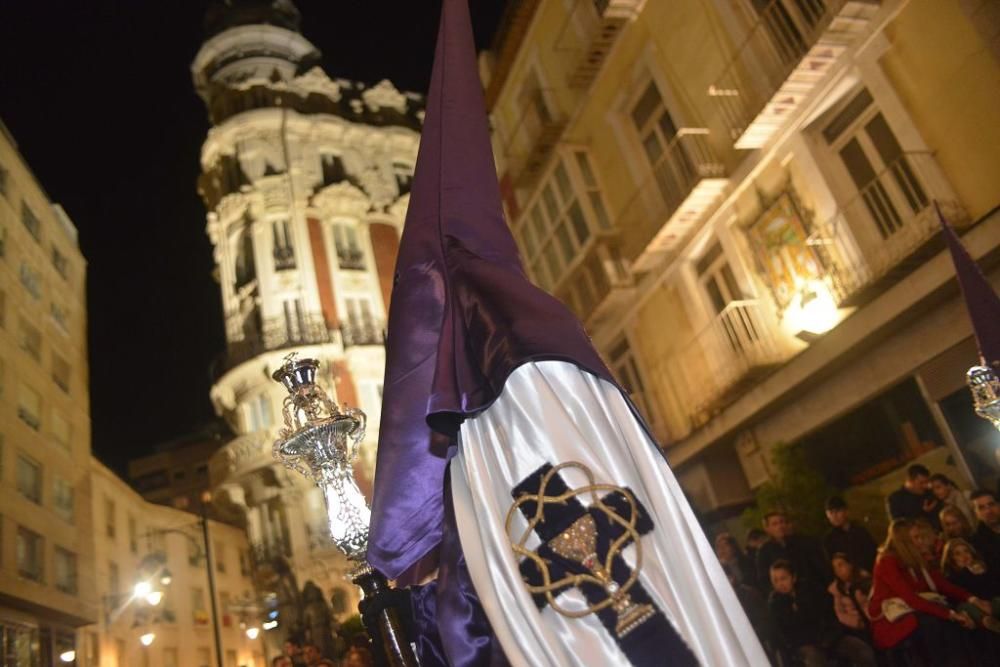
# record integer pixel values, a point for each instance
(389, 640)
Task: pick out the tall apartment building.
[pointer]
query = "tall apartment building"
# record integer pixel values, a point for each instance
(45, 520)
(139, 543)
(737, 199)
(306, 181)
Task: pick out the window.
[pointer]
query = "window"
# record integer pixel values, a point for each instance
(284, 253)
(60, 263)
(333, 169)
(170, 657)
(62, 499)
(31, 281)
(60, 372)
(876, 163)
(559, 223)
(230, 658)
(109, 518)
(113, 581)
(29, 479)
(59, 316)
(359, 327)
(626, 371)
(261, 417)
(30, 340)
(133, 535)
(295, 321)
(60, 430)
(179, 475)
(246, 265)
(29, 406)
(245, 563)
(718, 279)
(30, 554)
(349, 255)
(194, 553)
(198, 606)
(667, 156)
(204, 657)
(65, 570)
(220, 559)
(31, 223)
(227, 619)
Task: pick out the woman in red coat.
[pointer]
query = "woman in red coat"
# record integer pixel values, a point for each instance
(900, 574)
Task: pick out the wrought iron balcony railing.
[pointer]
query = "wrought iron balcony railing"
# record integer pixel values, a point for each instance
(284, 258)
(277, 333)
(888, 229)
(789, 48)
(365, 332)
(684, 183)
(739, 343)
(533, 137)
(601, 22)
(350, 258)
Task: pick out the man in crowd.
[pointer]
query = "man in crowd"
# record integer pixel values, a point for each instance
(847, 537)
(805, 554)
(314, 658)
(986, 539)
(914, 499)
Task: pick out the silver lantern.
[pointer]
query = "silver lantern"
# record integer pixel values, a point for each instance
(985, 387)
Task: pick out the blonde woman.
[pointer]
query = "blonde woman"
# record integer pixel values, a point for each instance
(902, 579)
(963, 567)
(954, 524)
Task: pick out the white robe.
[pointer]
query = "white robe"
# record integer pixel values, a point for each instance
(553, 412)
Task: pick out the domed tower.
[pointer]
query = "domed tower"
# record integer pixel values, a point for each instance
(306, 180)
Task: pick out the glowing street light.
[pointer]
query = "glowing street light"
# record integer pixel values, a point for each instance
(269, 625)
(147, 638)
(166, 577)
(68, 656)
(253, 632)
(154, 598)
(142, 589)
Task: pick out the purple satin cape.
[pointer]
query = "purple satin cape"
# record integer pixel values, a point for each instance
(463, 315)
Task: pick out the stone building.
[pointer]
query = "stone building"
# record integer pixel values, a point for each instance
(737, 199)
(306, 180)
(151, 574)
(45, 519)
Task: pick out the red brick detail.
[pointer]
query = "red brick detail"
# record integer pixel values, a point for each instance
(344, 384)
(385, 246)
(324, 281)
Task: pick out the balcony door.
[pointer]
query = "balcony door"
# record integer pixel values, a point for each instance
(671, 165)
(886, 183)
(733, 324)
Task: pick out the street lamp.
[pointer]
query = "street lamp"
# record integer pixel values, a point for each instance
(147, 638)
(67, 656)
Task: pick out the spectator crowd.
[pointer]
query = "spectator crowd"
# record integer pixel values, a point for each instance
(928, 595)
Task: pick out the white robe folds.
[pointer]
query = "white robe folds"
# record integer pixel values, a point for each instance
(553, 412)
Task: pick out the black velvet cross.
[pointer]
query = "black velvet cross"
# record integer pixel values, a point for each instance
(651, 642)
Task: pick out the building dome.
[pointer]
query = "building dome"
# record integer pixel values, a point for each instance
(225, 14)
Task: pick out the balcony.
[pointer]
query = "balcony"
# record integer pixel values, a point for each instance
(535, 134)
(350, 258)
(887, 230)
(599, 287)
(365, 332)
(789, 49)
(602, 22)
(264, 555)
(284, 258)
(736, 348)
(278, 333)
(684, 183)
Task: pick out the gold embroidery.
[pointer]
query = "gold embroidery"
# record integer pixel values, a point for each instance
(578, 543)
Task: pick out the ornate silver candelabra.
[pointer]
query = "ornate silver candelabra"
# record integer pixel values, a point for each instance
(985, 387)
(320, 440)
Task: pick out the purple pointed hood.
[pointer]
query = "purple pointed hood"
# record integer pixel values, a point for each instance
(980, 299)
(463, 314)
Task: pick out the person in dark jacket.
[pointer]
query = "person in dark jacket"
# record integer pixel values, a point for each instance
(805, 553)
(805, 629)
(962, 566)
(986, 538)
(914, 499)
(847, 537)
(739, 569)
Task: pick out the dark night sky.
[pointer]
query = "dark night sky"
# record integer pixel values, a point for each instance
(98, 96)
